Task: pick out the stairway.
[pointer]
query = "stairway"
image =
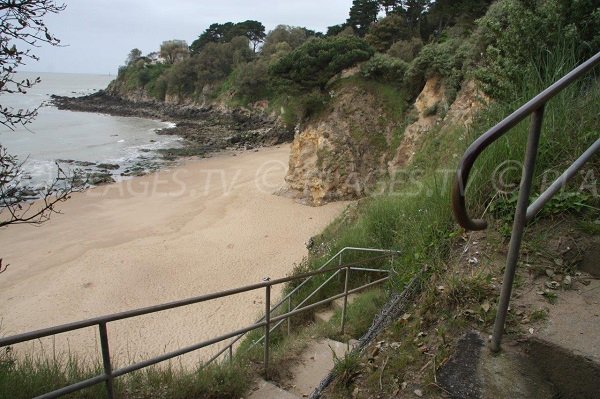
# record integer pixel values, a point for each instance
(314, 364)
(325, 315)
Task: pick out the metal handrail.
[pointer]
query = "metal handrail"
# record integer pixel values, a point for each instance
(483, 142)
(287, 298)
(101, 322)
(524, 211)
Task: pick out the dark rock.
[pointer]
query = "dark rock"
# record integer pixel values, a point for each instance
(202, 127)
(108, 166)
(96, 179)
(84, 163)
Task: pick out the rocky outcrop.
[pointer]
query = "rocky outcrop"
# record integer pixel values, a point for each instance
(341, 154)
(431, 100)
(209, 128)
(431, 103)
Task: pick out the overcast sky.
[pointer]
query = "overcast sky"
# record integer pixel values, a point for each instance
(100, 33)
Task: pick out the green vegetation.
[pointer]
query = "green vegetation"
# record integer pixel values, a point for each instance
(513, 51)
(36, 375)
(314, 63)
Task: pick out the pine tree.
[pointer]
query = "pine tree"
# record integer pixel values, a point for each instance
(389, 6)
(362, 15)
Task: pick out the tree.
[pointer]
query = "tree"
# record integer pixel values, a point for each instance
(362, 15)
(292, 35)
(174, 51)
(414, 10)
(254, 31)
(225, 33)
(314, 63)
(133, 56)
(21, 25)
(335, 29)
(389, 6)
(388, 31)
(215, 33)
(22, 28)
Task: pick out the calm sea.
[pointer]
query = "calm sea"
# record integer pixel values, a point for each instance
(78, 136)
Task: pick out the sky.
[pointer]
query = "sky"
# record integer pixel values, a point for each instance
(98, 34)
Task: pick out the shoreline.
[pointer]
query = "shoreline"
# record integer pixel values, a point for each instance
(201, 227)
(207, 129)
(202, 132)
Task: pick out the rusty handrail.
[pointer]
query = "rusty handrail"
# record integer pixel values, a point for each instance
(476, 149)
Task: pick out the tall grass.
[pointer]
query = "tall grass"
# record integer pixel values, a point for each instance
(571, 125)
(33, 375)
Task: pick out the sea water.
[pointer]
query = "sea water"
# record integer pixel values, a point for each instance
(78, 136)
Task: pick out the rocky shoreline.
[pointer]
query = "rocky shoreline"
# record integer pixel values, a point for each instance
(205, 129)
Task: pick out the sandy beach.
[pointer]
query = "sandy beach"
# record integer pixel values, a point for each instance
(205, 226)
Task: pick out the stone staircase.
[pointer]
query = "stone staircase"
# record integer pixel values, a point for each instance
(315, 363)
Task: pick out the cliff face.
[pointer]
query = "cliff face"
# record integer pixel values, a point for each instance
(342, 154)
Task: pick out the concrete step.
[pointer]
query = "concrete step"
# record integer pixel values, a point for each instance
(339, 303)
(324, 315)
(315, 364)
(266, 390)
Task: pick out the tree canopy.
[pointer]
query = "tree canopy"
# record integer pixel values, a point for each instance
(174, 50)
(254, 31)
(315, 62)
(362, 15)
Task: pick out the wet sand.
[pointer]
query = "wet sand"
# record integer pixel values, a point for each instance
(202, 227)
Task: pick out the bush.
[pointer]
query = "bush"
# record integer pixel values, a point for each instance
(314, 63)
(447, 59)
(406, 50)
(250, 81)
(291, 35)
(514, 32)
(384, 68)
(387, 31)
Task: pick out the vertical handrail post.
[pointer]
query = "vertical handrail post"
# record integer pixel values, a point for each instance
(345, 300)
(518, 226)
(231, 353)
(289, 321)
(340, 264)
(106, 360)
(267, 327)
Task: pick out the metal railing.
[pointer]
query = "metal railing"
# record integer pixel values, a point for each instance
(287, 299)
(266, 322)
(524, 211)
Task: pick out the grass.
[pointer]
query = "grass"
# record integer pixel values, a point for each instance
(29, 376)
(359, 315)
(539, 315)
(345, 370)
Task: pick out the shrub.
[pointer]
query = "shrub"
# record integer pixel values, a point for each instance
(250, 81)
(447, 59)
(291, 35)
(384, 68)
(514, 32)
(406, 50)
(387, 31)
(314, 63)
